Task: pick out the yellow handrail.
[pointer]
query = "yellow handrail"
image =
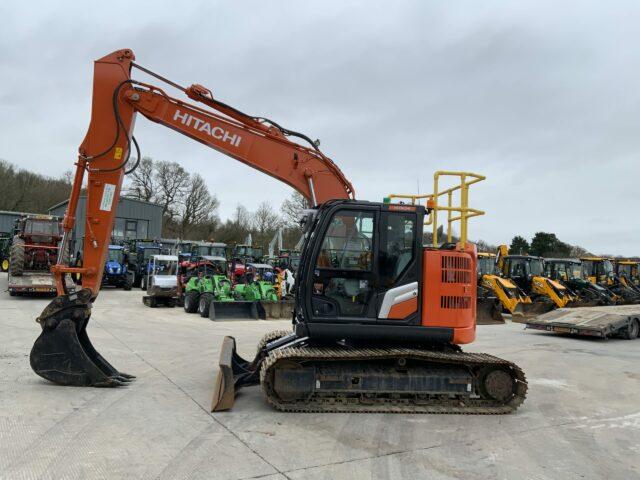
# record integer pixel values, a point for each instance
(463, 209)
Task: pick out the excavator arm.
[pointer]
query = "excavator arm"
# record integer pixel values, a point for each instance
(63, 352)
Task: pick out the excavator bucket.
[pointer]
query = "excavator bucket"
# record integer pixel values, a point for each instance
(63, 353)
(233, 373)
(488, 312)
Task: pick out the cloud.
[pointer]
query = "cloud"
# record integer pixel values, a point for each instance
(540, 97)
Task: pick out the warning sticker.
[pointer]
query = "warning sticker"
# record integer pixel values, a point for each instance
(107, 197)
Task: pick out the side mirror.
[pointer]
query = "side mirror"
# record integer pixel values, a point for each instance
(306, 220)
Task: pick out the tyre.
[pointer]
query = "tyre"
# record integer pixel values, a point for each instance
(136, 279)
(191, 301)
(171, 303)
(203, 304)
(127, 283)
(16, 257)
(212, 310)
(632, 330)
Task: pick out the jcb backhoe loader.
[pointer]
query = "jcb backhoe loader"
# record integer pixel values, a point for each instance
(599, 270)
(496, 294)
(379, 319)
(568, 272)
(527, 272)
(628, 273)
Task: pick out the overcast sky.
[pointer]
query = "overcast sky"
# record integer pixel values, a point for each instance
(541, 97)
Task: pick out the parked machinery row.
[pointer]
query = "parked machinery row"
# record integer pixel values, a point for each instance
(525, 286)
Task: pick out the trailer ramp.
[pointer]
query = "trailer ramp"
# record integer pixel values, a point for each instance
(603, 322)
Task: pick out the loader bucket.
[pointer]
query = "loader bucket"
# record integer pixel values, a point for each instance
(488, 313)
(539, 306)
(518, 315)
(235, 311)
(282, 309)
(63, 353)
(233, 373)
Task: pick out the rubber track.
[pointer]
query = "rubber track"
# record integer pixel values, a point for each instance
(475, 406)
(270, 337)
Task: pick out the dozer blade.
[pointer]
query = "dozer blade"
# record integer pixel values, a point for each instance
(63, 353)
(488, 313)
(234, 372)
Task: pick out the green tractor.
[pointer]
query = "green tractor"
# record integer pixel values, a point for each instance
(263, 284)
(211, 294)
(5, 246)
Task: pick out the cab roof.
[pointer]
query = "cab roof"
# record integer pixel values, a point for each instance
(524, 257)
(213, 258)
(167, 258)
(563, 260)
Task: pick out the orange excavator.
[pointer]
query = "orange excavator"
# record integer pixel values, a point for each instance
(378, 319)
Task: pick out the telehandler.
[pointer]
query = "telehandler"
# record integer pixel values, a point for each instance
(379, 319)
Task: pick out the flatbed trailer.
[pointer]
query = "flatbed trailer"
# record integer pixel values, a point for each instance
(34, 282)
(603, 322)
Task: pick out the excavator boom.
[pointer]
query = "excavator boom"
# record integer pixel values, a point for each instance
(63, 352)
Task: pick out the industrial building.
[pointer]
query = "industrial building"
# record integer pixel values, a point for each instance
(135, 219)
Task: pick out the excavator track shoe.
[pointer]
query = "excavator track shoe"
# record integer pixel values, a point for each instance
(390, 380)
(63, 353)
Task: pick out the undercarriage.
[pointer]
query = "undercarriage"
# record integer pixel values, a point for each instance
(298, 375)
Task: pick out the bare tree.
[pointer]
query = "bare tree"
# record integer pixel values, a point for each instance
(198, 206)
(265, 222)
(143, 185)
(172, 184)
(292, 208)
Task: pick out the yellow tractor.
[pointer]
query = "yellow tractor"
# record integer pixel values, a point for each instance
(527, 272)
(600, 270)
(496, 294)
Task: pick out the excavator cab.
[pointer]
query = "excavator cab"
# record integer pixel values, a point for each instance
(361, 267)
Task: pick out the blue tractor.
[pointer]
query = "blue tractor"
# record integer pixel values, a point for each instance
(116, 272)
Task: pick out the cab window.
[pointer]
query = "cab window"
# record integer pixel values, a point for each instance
(347, 244)
(397, 245)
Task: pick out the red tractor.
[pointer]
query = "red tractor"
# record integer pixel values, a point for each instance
(33, 251)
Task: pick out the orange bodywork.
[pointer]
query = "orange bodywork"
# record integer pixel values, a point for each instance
(449, 291)
(402, 310)
(107, 144)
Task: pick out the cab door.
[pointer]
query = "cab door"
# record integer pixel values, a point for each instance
(399, 294)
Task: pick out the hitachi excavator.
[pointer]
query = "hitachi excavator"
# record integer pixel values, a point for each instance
(378, 319)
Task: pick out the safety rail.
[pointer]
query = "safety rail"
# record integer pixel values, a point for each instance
(433, 204)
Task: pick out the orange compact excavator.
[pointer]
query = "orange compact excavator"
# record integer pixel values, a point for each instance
(378, 319)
